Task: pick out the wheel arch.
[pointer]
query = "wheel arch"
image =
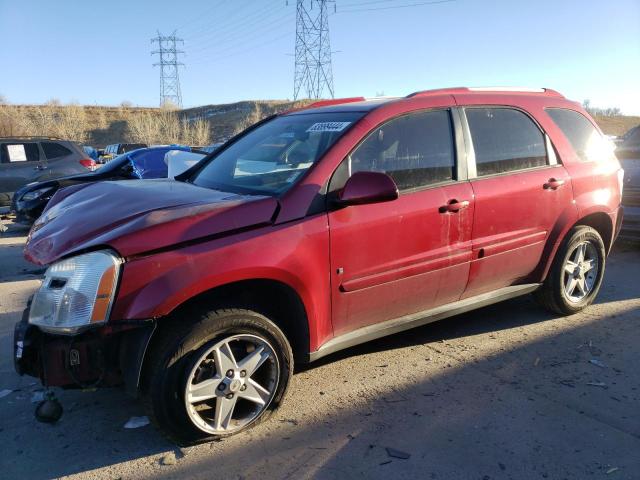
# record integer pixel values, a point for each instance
(274, 299)
(599, 221)
(602, 223)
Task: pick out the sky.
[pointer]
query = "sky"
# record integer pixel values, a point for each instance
(99, 52)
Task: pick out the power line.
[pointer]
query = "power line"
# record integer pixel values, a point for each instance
(231, 22)
(213, 59)
(313, 71)
(418, 4)
(169, 77)
(371, 2)
(259, 28)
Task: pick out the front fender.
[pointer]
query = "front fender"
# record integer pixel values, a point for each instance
(296, 255)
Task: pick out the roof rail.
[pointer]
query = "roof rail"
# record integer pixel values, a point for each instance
(451, 91)
(546, 91)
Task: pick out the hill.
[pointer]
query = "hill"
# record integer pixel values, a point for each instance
(102, 125)
(616, 125)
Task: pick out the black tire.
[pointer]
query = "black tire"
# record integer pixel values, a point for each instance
(176, 349)
(552, 294)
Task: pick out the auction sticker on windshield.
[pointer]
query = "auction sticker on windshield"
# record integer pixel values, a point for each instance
(328, 127)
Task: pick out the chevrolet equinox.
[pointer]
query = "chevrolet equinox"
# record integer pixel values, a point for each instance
(312, 231)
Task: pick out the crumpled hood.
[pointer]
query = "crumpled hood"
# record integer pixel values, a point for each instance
(136, 216)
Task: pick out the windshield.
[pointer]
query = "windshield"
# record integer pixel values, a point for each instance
(271, 158)
(114, 164)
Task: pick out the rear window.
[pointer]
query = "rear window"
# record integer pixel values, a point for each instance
(587, 142)
(20, 152)
(505, 140)
(54, 150)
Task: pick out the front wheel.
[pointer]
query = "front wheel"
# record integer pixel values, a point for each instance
(576, 273)
(216, 376)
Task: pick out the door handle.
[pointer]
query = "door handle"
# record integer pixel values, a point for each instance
(454, 206)
(553, 184)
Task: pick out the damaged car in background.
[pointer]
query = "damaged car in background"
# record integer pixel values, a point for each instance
(144, 163)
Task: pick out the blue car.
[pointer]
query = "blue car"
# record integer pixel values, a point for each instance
(143, 163)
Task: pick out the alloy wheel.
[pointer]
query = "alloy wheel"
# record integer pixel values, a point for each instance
(231, 384)
(580, 271)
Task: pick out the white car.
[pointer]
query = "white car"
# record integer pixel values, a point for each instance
(179, 161)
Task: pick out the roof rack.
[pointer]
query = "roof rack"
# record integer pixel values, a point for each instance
(450, 91)
(546, 91)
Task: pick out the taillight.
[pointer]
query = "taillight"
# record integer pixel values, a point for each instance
(89, 163)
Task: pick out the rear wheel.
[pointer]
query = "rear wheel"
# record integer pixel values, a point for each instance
(217, 376)
(576, 274)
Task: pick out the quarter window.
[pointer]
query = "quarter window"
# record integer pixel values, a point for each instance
(415, 150)
(505, 140)
(587, 142)
(54, 150)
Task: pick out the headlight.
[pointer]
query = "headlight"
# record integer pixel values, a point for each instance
(76, 292)
(32, 195)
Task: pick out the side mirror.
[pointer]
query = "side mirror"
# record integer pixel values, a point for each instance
(368, 187)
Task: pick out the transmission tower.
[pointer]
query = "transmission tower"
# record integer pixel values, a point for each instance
(169, 77)
(313, 72)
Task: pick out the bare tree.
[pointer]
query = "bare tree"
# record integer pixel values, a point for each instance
(165, 126)
(196, 132)
(253, 117)
(201, 132)
(101, 119)
(70, 122)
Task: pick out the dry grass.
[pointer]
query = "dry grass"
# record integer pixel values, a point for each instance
(51, 119)
(166, 126)
(616, 125)
(100, 126)
(83, 124)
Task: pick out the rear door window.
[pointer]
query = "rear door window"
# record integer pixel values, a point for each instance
(416, 150)
(585, 139)
(505, 140)
(54, 150)
(20, 152)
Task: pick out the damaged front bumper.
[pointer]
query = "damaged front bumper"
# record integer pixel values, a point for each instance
(104, 356)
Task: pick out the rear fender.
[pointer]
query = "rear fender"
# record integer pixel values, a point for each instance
(563, 224)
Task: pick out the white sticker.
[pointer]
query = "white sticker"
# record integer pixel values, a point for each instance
(16, 153)
(328, 127)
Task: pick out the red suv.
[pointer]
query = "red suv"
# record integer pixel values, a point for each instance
(312, 231)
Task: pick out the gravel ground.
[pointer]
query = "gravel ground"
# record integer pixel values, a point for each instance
(506, 392)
